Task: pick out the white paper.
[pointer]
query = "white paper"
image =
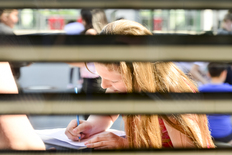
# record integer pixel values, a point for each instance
(59, 134)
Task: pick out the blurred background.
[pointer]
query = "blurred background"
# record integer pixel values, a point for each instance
(158, 21)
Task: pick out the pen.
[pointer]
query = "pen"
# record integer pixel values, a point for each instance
(78, 122)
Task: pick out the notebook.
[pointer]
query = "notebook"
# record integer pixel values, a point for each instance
(58, 137)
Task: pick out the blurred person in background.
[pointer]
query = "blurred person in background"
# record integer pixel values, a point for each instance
(93, 21)
(8, 19)
(220, 125)
(226, 29)
(16, 132)
(99, 19)
(229, 75)
(226, 26)
(86, 17)
(91, 80)
(73, 28)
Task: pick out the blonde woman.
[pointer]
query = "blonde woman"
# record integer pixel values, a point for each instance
(143, 131)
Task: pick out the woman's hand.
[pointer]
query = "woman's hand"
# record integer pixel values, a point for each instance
(84, 130)
(107, 140)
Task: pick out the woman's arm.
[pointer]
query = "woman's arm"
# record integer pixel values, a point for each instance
(7, 82)
(17, 133)
(101, 122)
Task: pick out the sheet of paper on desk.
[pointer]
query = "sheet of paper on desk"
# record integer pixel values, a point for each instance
(59, 134)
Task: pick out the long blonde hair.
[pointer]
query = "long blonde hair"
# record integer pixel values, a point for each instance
(143, 131)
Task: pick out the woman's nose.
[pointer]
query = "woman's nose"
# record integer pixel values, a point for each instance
(105, 84)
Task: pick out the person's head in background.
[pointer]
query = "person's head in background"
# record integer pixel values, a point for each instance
(99, 19)
(86, 16)
(217, 72)
(9, 17)
(227, 22)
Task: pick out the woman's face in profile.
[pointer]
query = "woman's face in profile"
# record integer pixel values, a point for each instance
(111, 80)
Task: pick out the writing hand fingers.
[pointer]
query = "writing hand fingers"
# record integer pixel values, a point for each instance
(71, 136)
(83, 127)
(105, 140)
(71, 125)
(100, 144)
(73, 131)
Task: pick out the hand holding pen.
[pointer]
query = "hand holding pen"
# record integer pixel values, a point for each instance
(76, 132)
(78, 129)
